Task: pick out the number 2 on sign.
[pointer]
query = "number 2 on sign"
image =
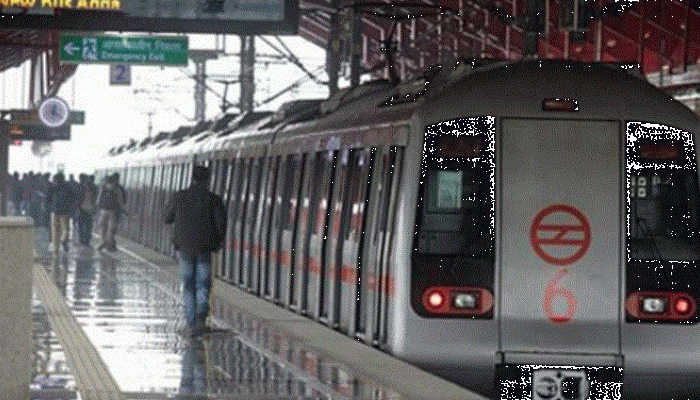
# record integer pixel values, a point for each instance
(554, 291)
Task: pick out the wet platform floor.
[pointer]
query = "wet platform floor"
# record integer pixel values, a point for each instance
(130, 312)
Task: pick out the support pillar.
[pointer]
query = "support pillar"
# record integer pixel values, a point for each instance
(200, 104)
(247, 73)
(4, 164)
(16, 356)
(356, 50)
(333, 51)
(199, 58)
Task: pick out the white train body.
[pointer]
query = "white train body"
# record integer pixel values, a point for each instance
(527, 222)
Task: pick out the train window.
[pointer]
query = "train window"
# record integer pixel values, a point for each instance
(662, 182)
(456, 212)
(290, 193)
(226, 182)
(448, 187)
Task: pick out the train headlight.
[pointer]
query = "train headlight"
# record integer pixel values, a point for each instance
(456, 301)
(661, 306)
(654, 305)
(465, 300)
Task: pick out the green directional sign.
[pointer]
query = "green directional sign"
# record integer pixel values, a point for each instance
(146, 50)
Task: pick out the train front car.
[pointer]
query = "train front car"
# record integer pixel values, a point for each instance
(553, 251)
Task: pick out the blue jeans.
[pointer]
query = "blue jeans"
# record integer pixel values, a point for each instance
(195, 272)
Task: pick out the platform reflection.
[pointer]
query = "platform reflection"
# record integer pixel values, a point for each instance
(130, 311)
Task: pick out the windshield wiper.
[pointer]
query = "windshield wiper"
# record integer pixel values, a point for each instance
(643, 226)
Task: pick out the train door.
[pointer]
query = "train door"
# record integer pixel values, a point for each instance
(217, 185)
(266, 227)
(275, 229)
(318, 227)
(300, 266)
(230, 246)
(560, 242)
(289, 213)
(225, 193)
(239, 223)
(360, 174)
(249, 217)
(149, 211)
(330, 302)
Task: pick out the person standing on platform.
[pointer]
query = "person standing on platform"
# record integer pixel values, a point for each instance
(15, 193)
(87, 207)
(110, 200)
(199, 220)
(75, 188)
(59, 202)
(122, 196)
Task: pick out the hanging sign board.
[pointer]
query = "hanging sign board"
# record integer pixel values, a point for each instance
(144, 50)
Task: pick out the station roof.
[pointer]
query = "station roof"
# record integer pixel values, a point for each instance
(659, 35)
(20, 45)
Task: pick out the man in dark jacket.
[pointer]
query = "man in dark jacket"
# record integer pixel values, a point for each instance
(59, 202)
(199, 222)
(111, 200)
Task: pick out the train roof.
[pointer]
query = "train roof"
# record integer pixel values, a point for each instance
(602, 91)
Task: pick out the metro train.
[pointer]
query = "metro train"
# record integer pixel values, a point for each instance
(527, 229)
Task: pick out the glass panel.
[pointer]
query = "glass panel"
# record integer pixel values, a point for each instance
(662, 193)
(456, 216)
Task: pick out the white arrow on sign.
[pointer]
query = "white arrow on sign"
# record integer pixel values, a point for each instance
(71, 48)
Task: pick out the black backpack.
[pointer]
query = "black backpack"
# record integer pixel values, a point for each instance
(62, 200)
(109, 199)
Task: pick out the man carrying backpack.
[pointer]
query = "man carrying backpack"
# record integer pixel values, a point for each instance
(111, 201)
(59, 202)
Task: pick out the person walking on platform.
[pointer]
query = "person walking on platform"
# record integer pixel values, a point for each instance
(59, 202)
(199, 226)
(111, 201)
(15, 193)
(87, 207)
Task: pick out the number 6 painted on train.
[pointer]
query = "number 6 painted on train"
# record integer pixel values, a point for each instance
(553, 290)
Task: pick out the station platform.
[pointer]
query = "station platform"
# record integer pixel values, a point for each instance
(105, 327)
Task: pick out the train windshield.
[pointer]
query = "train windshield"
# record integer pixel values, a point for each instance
(662, 183)
(456, 212)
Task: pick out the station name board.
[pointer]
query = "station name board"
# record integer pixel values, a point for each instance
(71, 4)
(242, 17)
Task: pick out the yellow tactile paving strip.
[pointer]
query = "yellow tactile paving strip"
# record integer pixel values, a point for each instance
(92, 377)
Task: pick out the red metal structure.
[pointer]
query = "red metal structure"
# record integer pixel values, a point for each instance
(41, 47)
(658, 35)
